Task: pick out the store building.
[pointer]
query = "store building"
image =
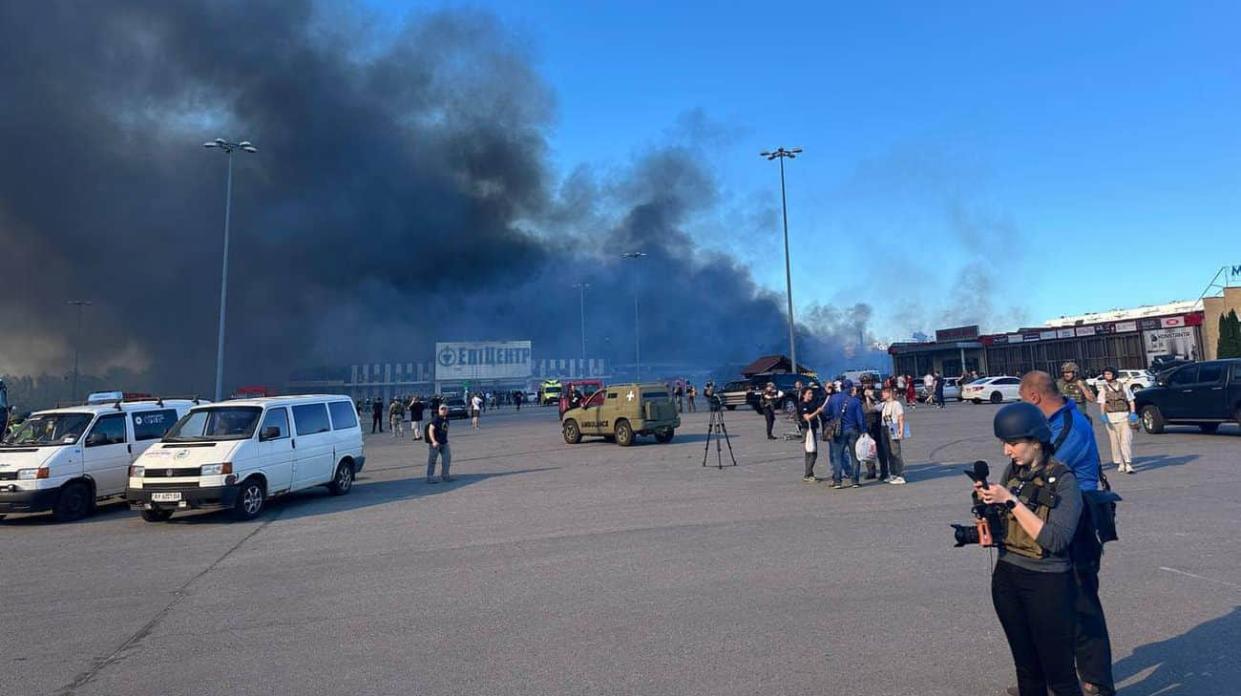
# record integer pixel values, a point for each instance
(1124, 339)
(1226, 297)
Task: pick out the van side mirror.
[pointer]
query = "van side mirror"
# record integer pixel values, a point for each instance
(269, 433)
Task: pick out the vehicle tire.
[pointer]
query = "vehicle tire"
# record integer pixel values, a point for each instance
(1208, 428)
(976, 401)
(997, 398)
(572, 433)
(342, 482)
(624, 433)
(664, 435)
(251, 498)
(1152, 420)
(73, 503)
(156, 515)
(731, 408)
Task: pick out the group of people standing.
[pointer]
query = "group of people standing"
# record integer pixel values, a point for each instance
(840, 417)
(684, 392)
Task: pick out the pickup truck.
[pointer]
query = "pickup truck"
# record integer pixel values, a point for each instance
(1204, 394)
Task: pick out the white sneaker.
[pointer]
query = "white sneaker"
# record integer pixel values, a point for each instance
(897, 480)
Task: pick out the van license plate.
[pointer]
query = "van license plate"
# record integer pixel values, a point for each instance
(165, 497)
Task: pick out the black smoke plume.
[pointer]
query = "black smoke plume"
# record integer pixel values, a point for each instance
(401, 195)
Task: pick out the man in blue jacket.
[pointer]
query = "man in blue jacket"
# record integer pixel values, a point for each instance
(1073, 437)
(845, 409)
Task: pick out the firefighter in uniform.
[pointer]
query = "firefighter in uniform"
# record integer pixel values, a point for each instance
(1032, 587)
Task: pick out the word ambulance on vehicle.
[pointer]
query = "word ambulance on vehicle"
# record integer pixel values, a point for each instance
(238, 454)
(67, 459)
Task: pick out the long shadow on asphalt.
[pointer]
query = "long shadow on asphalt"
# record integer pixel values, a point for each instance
(104, 513)
(1199, 662)
(1161, 461)
(363, 495)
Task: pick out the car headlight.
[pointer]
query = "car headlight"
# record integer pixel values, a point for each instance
(32, 474)
(216, 469)
(137, 471)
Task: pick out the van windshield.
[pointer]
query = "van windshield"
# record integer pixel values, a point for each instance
(222, 423)
(50, 429)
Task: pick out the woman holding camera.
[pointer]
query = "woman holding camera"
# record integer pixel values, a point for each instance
(1032, 586)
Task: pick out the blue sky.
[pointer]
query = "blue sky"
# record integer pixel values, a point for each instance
(1063, 157)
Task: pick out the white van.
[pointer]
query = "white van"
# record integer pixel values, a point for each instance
(67, 459)
(237, 454)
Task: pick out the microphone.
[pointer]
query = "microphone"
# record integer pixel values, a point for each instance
(981, 471)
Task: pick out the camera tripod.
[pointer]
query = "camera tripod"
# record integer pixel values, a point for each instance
(717, 429)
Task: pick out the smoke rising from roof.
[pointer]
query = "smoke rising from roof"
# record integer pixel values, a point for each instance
(401, 195)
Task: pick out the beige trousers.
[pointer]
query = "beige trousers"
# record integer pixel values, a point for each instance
(1120, 435)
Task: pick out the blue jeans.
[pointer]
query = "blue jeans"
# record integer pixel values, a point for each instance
(841, 450)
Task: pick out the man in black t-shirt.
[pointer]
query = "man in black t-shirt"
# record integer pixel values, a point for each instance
(416, 407)
(808, 410)
(437, 447)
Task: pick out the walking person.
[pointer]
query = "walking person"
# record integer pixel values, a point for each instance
(680, 395)
(476, 407)
(437, 446)
(769, 399)
(690, 393)
(416, 408)
(808, 412)
(928, 387)
(396, 418)
(377, 416)
(939, 390)
(892, 415)
(1032, 584)
(1118, 411)
(911, 398)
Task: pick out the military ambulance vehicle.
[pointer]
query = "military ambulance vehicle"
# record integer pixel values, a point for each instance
(549, 392)
(67, 459)
(621, 412)
(237, 454)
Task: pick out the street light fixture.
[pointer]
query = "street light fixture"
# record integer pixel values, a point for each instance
(582, 287)
(783, 154)
(637, 341)
(227, 148)
(77, 343)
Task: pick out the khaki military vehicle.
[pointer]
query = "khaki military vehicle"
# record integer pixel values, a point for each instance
(621, 412)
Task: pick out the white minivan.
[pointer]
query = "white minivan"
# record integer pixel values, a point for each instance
(237, 454)
(67, 459)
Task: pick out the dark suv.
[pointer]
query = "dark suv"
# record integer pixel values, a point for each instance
(1204, 394)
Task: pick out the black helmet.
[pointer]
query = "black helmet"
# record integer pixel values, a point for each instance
(1109, 369)
(1021, 420)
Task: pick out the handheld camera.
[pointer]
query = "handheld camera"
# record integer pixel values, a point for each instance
(987, 518)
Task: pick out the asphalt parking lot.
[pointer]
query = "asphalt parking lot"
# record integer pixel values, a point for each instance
(593, 569)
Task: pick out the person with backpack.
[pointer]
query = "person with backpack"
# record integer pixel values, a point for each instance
(437, 447)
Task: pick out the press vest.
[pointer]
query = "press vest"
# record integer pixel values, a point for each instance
(1033, 489)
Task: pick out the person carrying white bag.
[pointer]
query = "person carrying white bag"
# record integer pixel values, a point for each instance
(895, 431)
(809, 412)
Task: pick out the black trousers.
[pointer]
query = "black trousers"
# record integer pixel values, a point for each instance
(1093, 645)
(1037, 613)
(770, 415)
(811, 458)
(377, 423)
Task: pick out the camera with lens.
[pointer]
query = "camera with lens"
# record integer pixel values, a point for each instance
(988, 518)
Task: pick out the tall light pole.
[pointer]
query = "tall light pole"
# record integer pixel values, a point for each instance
(782, 154)
(77, 343)
(227, 148)
(637, 341)
(582, 287)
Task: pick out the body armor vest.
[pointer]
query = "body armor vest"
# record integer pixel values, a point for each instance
(1072, 390)
(1114, 398)
(1033, 489)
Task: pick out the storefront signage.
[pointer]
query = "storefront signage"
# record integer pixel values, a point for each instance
(1064, 333)
(1126, 326)
(959, 333)
(482, 360)
(1178, 342)
(1048, 335)
(1084, 331)
(1171, 322)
